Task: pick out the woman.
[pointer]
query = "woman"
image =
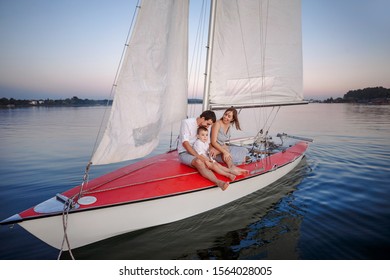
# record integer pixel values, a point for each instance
(220, 135)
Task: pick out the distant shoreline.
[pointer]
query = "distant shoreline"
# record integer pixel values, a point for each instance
(69, 102)
(371, 96)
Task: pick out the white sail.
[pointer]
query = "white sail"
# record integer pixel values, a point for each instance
(257, 53)
(151, 88)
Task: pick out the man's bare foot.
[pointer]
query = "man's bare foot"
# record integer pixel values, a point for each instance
(223, 185)
(231, 177)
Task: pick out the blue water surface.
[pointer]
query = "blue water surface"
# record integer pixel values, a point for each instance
(334, 205)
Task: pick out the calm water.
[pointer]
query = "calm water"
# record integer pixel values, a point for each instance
(335, 205)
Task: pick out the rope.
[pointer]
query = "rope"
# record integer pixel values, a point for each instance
(67, 204)
(65, 239)
(118, 177)
(143, 182)
(272, 122)
(85, 179)
(115, 78)
(196, 60)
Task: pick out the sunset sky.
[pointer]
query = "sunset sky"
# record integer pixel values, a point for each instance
(59, 49)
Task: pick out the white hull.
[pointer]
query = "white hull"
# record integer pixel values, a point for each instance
(86, 227)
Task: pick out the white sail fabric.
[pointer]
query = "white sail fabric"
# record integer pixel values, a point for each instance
(257, 54)
(151, 88)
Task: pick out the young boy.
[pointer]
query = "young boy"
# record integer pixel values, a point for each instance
(201, 146)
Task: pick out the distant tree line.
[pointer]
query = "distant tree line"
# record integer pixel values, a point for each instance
(373, 95)
(74, 101)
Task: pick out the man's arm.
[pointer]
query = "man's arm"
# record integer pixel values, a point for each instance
(189, 148)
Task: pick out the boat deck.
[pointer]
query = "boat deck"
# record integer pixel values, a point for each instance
(161, 176)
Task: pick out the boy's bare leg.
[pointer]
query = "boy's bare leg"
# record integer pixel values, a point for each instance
(223, 171)
(208, 174)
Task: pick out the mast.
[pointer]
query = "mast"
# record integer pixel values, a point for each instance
(206, 91)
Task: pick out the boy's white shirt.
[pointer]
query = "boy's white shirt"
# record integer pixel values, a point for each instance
(201, 147)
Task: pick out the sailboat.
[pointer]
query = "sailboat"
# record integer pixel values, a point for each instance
(254, 60)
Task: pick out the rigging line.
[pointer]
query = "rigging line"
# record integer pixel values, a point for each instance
(246, 61)
(126, 45)
(120, 176)
(263, 129)
(267, 117)
(171, 137)
(263, 33)
(266, 142)
(201, 78)
(143, 182)
(196, 60)
(276, 113)
(138, 7)
(243, 45)
(194, 72)
(67, 206)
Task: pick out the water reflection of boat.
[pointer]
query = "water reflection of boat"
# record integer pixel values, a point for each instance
(275, 233)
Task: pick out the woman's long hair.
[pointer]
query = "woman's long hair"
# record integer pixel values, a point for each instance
(235, 120)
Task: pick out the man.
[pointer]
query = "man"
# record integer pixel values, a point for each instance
(188, 155)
